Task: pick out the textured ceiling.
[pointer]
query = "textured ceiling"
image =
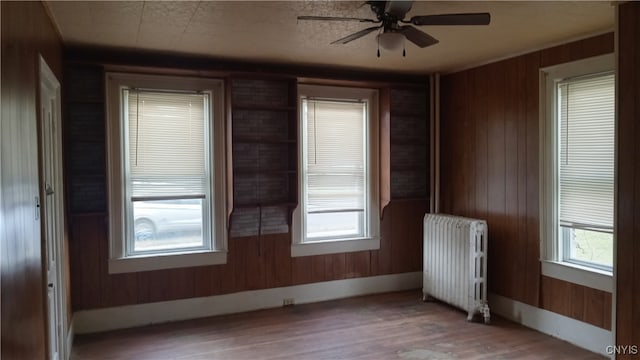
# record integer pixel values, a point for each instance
(268, 31)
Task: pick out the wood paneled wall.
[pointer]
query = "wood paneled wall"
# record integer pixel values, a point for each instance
(628, 183)
(489, 169)
(26, 33)
(252, 263)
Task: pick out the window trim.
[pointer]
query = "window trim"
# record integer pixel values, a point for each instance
(299, 247)
(551, 263)
(119, 262)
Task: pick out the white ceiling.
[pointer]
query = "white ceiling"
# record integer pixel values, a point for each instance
(268, 31)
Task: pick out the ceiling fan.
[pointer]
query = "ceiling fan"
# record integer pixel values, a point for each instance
(389, 17)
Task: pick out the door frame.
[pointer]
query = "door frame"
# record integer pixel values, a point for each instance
(49, 88)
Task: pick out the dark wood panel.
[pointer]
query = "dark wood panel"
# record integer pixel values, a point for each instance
(511, 119)
(459, 201)
(26, 33)
(578, 296)
(357, 264)
(277, 260)
(301, 270)
(204, 281)
(531, 246)
(100, 244)
(575, 301)
(556, 296)
(496, 215)
(335, 266)
(523, 289)
(628, 181)
(224, 279)
(123, 289)
(182, 283)
(237, 261)
(490, 169)
(406, 241)
(594, 306)
(143, 288)
(577, 50)
(608, 315)
(318, 267)
(89, 232)
(252, 269)
(480, 142)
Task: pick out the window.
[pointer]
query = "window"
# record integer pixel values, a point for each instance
(338, 171)
(586, 117)
(578, 164)
(166, 188)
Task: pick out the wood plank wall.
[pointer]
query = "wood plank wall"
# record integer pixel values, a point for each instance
(628, 183)
(26, 32)
(489, 169)
(252, 263)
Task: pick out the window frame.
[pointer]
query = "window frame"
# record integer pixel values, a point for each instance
(371, 240)
(215, 247)
(552, 264)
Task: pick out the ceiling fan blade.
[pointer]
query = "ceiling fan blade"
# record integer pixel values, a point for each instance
(452, 19)
(336, 18)
(356, 35)
(418, 37)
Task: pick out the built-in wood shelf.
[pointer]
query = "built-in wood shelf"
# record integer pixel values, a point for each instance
(263, 147)
(409, 143)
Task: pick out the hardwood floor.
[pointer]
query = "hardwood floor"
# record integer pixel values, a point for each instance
(387, 326)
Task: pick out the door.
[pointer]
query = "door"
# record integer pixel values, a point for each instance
(52, 210)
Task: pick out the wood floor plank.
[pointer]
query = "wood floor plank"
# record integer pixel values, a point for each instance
(385, 326)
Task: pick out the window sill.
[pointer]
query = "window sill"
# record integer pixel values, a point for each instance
(167, 261)
(581, 275)
(334, 246)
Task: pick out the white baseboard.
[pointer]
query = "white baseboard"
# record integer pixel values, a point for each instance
(121, 317)
(576, 332)
(69, 340)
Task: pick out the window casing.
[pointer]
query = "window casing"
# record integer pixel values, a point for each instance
(338, 180)
(166, 172)
(577, 168)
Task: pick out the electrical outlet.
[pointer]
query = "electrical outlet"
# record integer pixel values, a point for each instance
(288, 302)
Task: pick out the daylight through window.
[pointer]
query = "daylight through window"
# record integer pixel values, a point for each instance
(167, 204)
(338, 181)
(336, 167)
(586, 168)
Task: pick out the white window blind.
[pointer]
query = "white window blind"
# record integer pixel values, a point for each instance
(336, 161)
(166, 143)
(586, 148)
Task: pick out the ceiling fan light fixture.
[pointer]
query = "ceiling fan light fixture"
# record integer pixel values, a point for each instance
(391, 40)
